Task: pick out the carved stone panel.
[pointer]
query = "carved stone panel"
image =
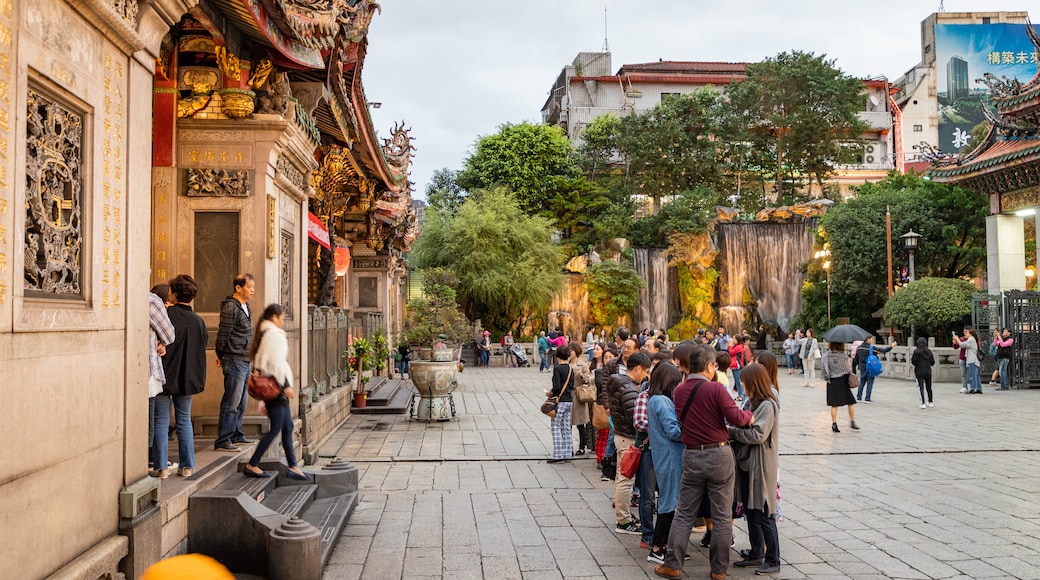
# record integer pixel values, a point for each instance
(53, 198)
(218, 182)
(285, 269)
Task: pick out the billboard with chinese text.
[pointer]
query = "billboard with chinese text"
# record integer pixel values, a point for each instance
(963, 54)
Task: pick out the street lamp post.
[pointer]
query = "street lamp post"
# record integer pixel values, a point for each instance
(911, 239)
(825, 253)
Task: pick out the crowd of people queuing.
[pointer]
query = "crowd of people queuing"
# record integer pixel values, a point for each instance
(707, 448)
(177, 371)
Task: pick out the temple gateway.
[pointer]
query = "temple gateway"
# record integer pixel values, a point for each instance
(142, 140)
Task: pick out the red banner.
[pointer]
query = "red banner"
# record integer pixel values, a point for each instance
(317, 231)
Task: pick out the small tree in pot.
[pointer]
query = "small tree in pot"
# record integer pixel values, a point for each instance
(436, 312)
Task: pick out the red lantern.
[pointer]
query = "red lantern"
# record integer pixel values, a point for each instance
(341, 258)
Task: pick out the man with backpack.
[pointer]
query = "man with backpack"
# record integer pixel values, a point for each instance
(869, 365)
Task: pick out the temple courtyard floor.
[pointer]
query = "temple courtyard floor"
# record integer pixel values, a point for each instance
(947, 492)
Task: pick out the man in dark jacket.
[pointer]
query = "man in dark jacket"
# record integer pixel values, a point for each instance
(185, 367)
(860, 362)
(621, 393)
(234, 338)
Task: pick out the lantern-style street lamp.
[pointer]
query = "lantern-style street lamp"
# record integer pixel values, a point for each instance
(911, 239)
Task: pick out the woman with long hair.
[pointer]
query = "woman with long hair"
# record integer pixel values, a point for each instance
(270, 356)
(768, 360)
(581, 416)
(810, 352)
(666, 448)
(836, 370)
(757, 474)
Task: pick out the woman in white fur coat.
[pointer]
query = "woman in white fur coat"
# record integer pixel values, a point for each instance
(270, 356)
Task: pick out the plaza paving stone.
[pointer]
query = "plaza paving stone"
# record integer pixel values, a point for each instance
(946, 492)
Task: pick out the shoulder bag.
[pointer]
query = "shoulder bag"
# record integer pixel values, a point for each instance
(549, 406)
(263, 387)
(600, 417)
(584, 389)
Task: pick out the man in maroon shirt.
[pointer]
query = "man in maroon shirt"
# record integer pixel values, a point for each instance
(703, 408)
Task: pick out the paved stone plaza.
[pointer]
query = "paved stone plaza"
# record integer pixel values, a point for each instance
(947, 492)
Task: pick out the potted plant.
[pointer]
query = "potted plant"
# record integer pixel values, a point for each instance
(434, 320)
(381, 351)
(361, 354)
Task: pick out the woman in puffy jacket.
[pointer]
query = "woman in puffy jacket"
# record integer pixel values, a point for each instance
(270, 356)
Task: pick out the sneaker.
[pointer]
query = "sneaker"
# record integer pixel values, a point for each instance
(750, 563)
(930, 405)
(766, 569)
(964, 390)
(993, 383)
(185, 472)
(923, 405)
(656, 557)
(706, 540)
(867, 401)
(160, 473)
(604, 478)
(629, 527)
(635, 501)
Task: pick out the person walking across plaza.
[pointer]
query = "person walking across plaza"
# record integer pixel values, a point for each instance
(620, 398)
(185, 368)
(404, 359)
(563, 381)
(160, 335)
(758, 473)
(667, 450)
(1004, 342)
(837, 370)
(270, 356)
(810, 352)
(969, 345)
(704, 407)
(922, 361)
(866, 380)
(234, 339)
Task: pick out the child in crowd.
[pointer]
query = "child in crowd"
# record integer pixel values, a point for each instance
(723, 359)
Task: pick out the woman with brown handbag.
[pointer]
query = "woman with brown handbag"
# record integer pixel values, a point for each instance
(563, 392)
(583, 389)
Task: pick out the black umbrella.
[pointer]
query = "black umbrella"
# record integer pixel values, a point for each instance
(846, 333)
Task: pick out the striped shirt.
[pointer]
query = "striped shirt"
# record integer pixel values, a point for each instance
(160, 331)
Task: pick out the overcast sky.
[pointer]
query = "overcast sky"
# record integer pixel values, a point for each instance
(454, 70)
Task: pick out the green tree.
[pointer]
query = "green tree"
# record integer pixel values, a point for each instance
(687, 212)
(800, 109)
(506, 262)
(437, 311)
(952, 222)
(674, 147)
(931, 306)
(444, 192)
(613, 291)
(525, 157)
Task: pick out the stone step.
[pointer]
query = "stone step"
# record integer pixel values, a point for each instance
(383, 394)
(330, 515)
(257, 488)
(401, 402)
(291, 500)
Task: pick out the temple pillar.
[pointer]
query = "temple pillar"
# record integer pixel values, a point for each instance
(1005, 253)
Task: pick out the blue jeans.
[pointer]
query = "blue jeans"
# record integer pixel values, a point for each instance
(485, 357)
(403, 367)
(281, 425)
(1005, 378)
(233, 403)
(765, 542)
(973, 377)
(543, 360)
(865, 380)
(736, 383)
(964, 374)
(647, 489)
(185, 434)
(790, 361)
(611, 449)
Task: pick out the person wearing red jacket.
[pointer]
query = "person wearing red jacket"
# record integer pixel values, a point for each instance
(740, 356)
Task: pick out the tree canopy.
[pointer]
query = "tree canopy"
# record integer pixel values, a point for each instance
(613, 291)
(931, 305)
(506, 262)
(951, 221)
(527, 158)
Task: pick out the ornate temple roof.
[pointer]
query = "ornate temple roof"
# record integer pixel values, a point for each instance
(1008, 158)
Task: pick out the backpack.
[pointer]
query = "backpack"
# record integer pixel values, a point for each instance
(873, 363)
